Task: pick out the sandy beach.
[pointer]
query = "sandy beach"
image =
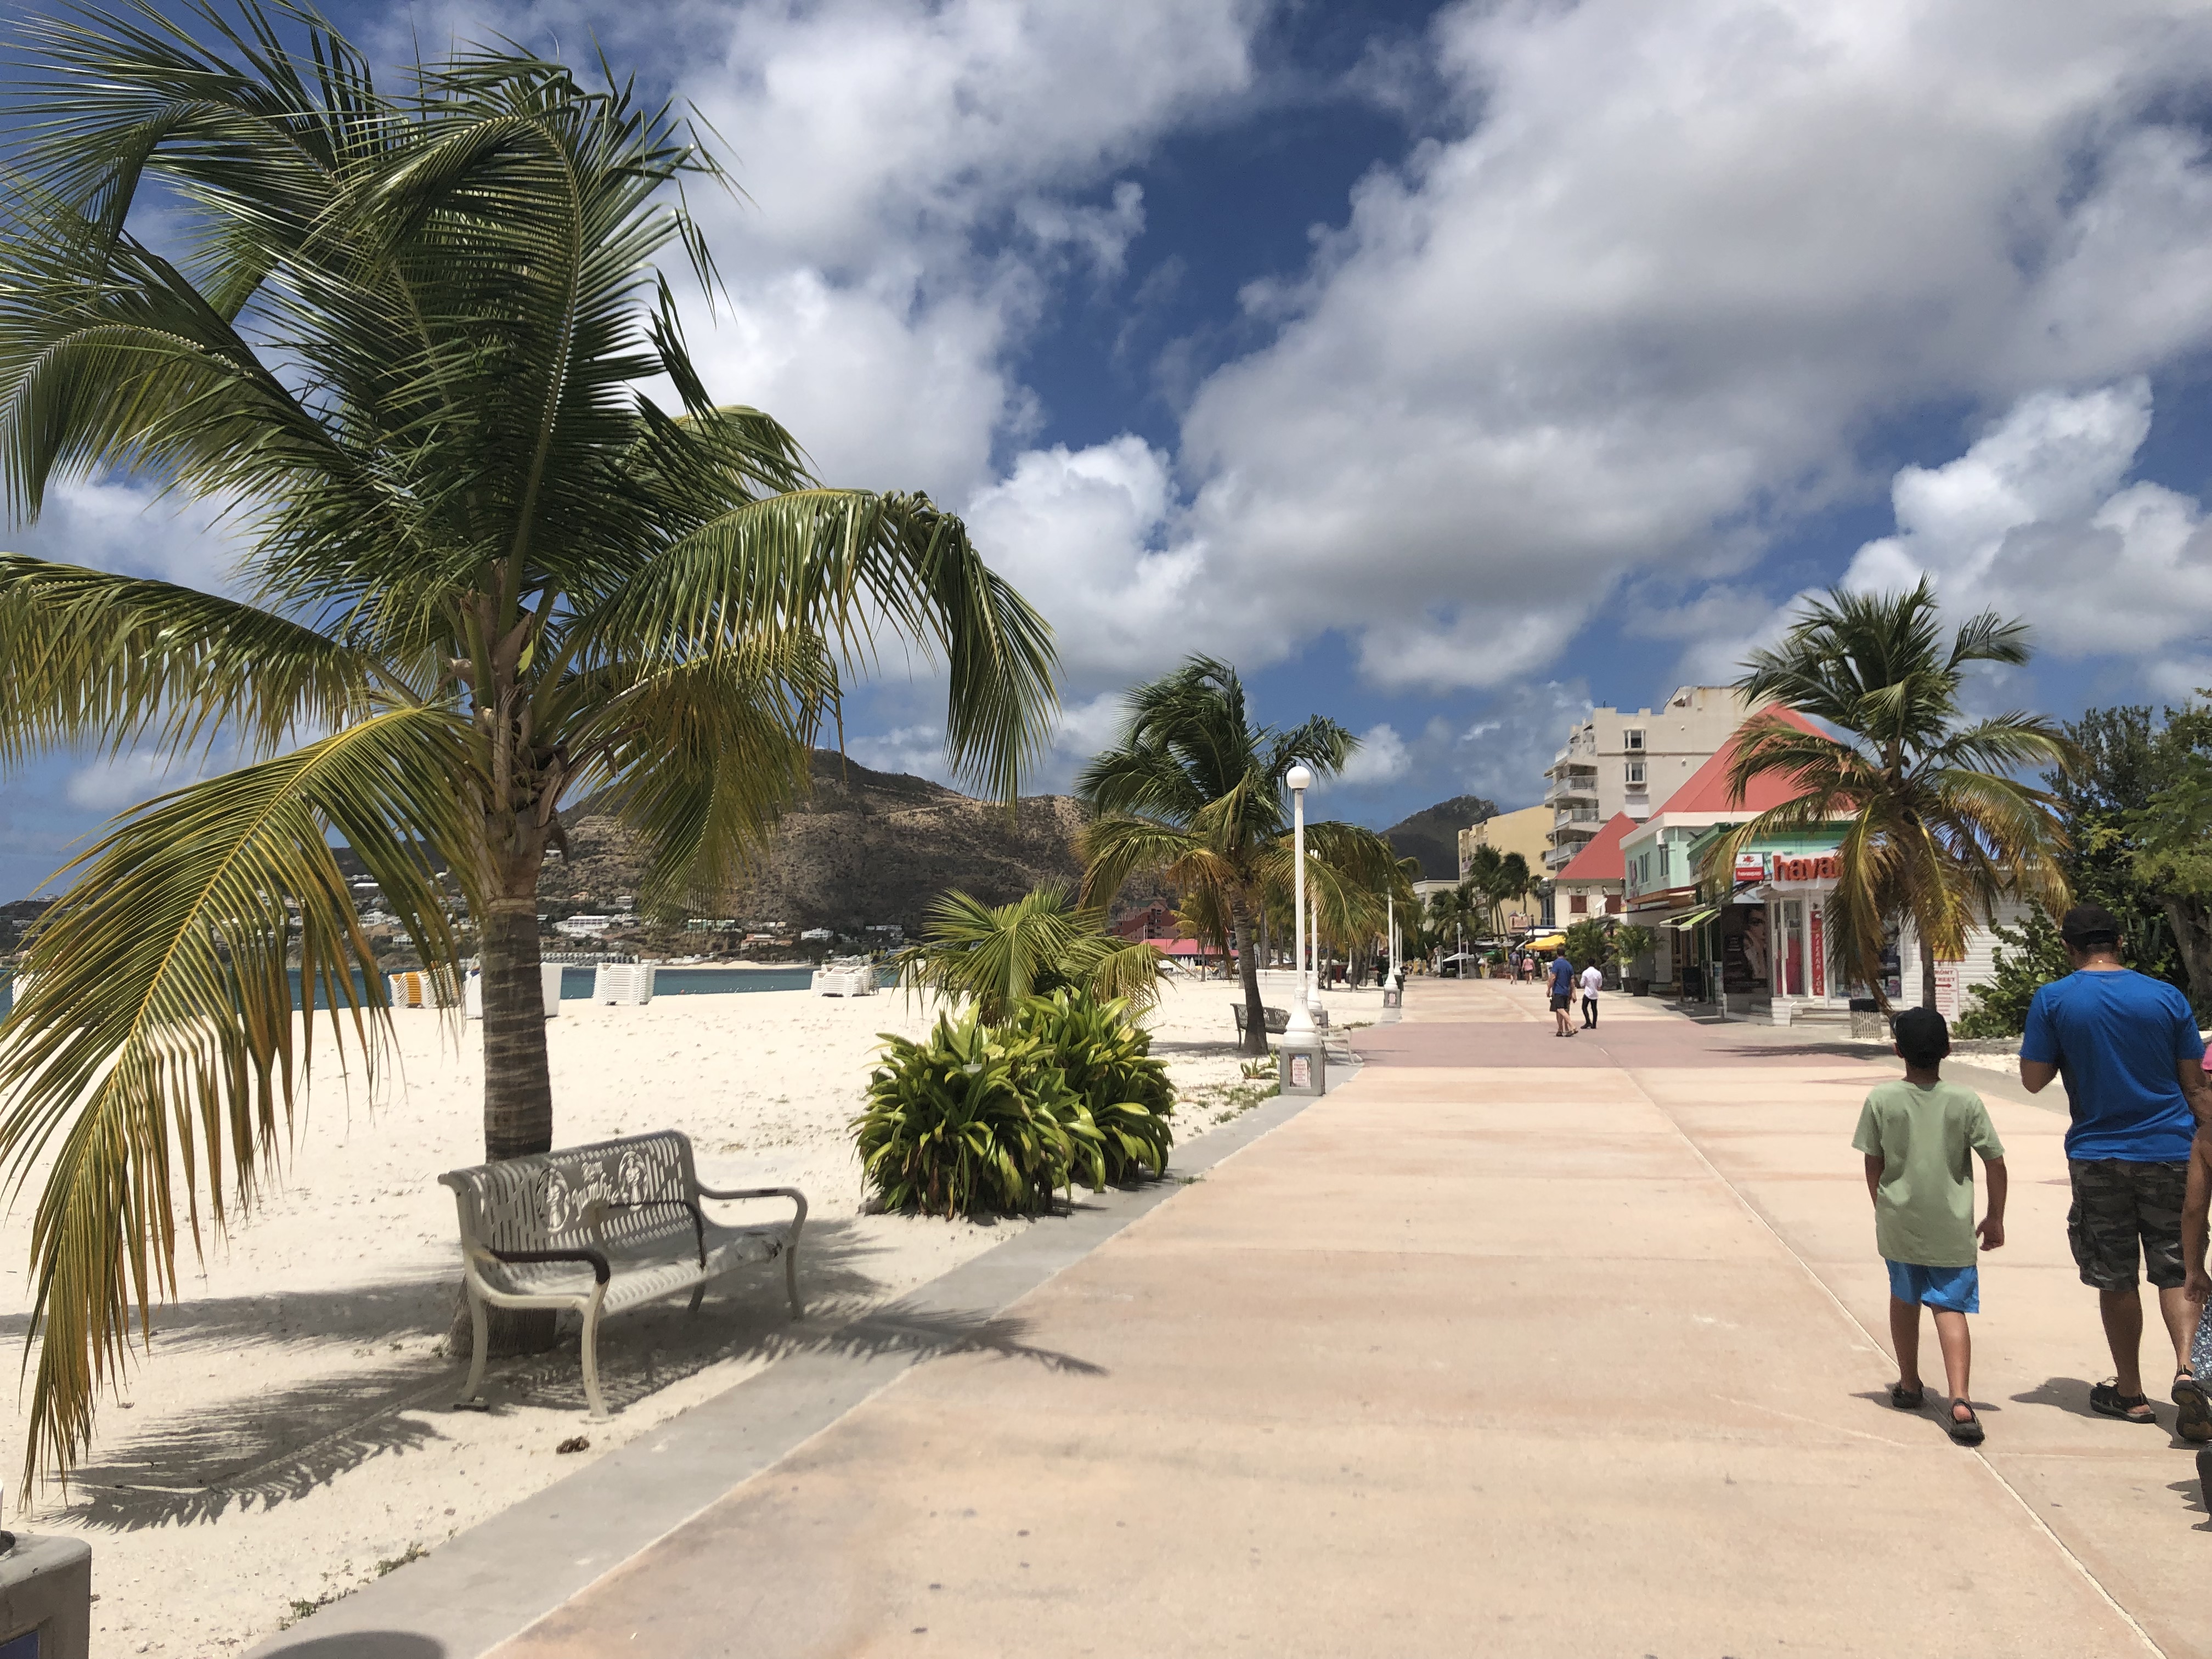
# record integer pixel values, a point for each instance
(286, 1437)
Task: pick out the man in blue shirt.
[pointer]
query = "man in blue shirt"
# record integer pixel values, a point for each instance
(2127, 1046)
(1563, 991)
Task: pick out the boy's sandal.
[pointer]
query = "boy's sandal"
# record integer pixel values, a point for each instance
(2106, 1400)
(1907, 1400)
(2195, 1421)
(1967, 1432)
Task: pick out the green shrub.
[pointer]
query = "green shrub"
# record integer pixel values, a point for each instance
(2025, 958)
(954, 1126)
(1105, 1062)
(980, 1120)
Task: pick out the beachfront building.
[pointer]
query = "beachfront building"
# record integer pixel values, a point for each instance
(1528, 832)
(1593, 883)
(1758, 931)
(1616, 762)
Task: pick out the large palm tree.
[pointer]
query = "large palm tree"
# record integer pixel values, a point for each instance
(413, 344)
(1195, 790)
(1937, 825)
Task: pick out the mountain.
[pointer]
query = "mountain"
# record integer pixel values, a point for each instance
(864, 849)
(1431, 834)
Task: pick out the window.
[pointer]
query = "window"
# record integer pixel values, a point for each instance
(1613, 904)
(1635, 775)
(1632, 740)
(1578, 905)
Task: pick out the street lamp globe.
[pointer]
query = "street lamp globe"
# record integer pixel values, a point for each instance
(1299, 777)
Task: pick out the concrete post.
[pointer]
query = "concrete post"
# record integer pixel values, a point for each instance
(45, 1598)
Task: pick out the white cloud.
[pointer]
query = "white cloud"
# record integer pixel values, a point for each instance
(129, 527)
(111, 784)
(1382, 758)
(1681, 260)
(2036, 520)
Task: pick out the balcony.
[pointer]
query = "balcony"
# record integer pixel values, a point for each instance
(1579, 784)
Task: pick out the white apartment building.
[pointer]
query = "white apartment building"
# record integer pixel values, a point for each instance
(1616, 761)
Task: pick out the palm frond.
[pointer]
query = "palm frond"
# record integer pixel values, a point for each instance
(158, 1029)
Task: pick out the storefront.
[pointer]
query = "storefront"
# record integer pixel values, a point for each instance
(1794, 882)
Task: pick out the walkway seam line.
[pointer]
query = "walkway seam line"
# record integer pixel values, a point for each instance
(1853, 1321)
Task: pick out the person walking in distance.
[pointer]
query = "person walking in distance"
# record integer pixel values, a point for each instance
(2127, 1047)
(1592, 983)
(1562, 992)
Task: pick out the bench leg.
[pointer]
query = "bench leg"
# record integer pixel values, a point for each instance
(791, 1277)
(480, 1332)
(698, 1295)
(591, 1350)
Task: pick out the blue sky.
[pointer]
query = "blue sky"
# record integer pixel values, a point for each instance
(1447, 368)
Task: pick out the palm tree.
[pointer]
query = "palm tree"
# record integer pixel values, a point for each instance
(1497, 878)
(996, 955)
(1938, 825)
(406, 341)
(1195, 790)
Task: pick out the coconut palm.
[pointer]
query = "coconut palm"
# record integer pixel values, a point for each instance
(412, 345)
(1497, 878)
(1193, 789)
(995, 955)
(1937, 825)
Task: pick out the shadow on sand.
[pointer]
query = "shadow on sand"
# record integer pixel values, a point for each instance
(260, 1450)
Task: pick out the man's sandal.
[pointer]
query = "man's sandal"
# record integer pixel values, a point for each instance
(1907, 1400)
(1966, 1432)
(2195, 1421)
(2106, 1400)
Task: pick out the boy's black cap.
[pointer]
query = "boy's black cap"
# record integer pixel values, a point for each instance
(1923, 1035)
(2089, 925)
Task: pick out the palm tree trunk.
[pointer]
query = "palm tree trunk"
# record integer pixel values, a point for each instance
(1255, 1011)
(1927, 973)
(518, 1097)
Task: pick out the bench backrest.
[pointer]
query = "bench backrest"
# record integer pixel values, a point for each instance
(566, 1199)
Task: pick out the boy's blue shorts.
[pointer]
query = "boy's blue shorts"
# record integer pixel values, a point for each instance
(1957, 1288)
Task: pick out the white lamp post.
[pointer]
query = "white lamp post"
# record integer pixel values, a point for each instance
(1300, 1032)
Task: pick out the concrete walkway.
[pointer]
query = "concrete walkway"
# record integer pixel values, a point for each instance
(1514, 1345)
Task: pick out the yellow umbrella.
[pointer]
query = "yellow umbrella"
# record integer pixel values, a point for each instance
(1550, 942)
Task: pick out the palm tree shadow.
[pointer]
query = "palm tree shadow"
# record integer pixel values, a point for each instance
(261, 1450)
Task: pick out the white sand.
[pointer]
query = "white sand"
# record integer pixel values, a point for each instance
(286, 1437)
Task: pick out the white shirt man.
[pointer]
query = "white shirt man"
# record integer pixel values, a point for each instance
(1592, 983)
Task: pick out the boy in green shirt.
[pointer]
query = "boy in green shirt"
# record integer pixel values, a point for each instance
(1916, 1135)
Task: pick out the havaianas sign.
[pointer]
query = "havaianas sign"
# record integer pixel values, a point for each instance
(1806, 868)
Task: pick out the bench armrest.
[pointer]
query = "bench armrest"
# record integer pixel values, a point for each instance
(798, 1197)
(698, 1221)
(600, 1270)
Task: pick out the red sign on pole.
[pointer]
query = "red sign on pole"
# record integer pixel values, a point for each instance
(1820, 955)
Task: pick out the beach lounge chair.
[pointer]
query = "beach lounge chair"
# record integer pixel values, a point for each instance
(602, 1228)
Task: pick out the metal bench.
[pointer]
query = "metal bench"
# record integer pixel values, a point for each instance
(603, 1229)
(1279, 1019)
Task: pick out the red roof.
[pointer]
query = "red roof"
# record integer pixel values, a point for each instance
(1706, 789)
(1600, 859)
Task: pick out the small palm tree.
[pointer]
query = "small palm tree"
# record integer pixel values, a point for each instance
(994, 956)
(412, 343)
(1195, 790)
(1937, 825)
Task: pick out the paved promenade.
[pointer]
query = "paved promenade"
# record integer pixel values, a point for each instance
(1514, 1346)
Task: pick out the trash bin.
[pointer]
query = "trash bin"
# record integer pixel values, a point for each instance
(45, 1598)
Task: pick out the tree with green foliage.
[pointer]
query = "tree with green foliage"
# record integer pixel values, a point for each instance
(1633, 943)
(1497, 879)
(2172, 837)
(1937, 825)
(993, 956)
(2026, 958)
(2126, 756)
(1193, 789)
(1590, 940)
(411, 344)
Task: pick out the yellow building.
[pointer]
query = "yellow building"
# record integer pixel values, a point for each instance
(1526, 832)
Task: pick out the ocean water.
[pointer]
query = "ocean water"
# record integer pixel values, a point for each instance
(576, 983)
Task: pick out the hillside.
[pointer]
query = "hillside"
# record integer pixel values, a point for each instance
(1431, 834)
(865, 848)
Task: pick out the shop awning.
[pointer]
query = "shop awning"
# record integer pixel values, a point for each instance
(1696, 918)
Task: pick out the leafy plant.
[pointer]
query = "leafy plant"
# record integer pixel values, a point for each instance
(1106, 1062)
(1588, 941)
(996, 956)
(954, 1125)
(2026, 960)
(1633, 943)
